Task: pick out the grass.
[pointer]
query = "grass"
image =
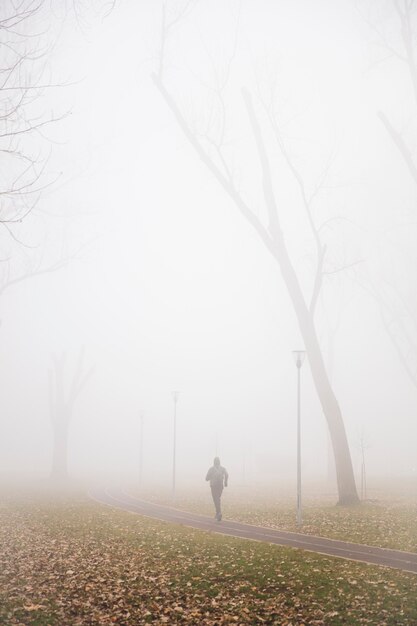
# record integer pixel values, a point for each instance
(386, 521)
(73, 562)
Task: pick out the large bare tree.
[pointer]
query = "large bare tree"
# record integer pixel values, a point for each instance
(24, 79)
(25, 83)
(210, 150)
(28, 33)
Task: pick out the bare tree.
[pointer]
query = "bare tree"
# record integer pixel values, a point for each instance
(25, 81)
(62, 399)
(394, 24)
(28, 33)
(402, 48)
(14, 271)
(24, 78)
(212, 155)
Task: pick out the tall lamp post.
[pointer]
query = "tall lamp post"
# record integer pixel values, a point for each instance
(175, 395)
(299, 356)
(141, 451)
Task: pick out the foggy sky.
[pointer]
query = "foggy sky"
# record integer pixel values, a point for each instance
(171, 289)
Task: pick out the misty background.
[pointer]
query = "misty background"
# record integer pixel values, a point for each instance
(167, 288)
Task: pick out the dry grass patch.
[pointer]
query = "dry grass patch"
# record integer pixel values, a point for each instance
(78, 563)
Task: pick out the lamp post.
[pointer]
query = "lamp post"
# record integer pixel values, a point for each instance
(141, 450)
(175, 395)
(299, 356)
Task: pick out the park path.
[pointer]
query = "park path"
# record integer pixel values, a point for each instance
(406, 561)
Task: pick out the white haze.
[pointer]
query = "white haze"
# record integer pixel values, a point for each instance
(173, 290)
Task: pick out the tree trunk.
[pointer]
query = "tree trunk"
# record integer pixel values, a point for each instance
(61, 406)
(60, 451)
(332, 412)
(344, 470)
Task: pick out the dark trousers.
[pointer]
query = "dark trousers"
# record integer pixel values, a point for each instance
(216, 492)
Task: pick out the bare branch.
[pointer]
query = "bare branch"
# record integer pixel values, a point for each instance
(390, 318)
(31, 128)
(6, 283)
(318, 281)
(224, 182)
(344, 267)
(408, 41)
(320, 248)
(167, 25)
(267, 186)
(400, 144)
(412, 375)
(382, 38)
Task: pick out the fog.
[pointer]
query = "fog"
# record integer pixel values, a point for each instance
(165, 286)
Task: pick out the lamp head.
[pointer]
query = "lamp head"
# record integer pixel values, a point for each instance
(299, 356)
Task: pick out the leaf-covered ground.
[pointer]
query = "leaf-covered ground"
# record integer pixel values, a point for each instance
(78, 563)
(387, 522)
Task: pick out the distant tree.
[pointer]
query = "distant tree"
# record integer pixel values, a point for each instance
(400, 46)
(63, 395)
(209, 147)
(394, 25)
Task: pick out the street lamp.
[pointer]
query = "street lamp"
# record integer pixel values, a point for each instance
(174, 395)
(141, 450)
(299, 356)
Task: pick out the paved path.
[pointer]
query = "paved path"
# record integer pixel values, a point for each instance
(406, 561)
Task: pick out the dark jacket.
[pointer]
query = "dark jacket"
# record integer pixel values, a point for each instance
(217, 475)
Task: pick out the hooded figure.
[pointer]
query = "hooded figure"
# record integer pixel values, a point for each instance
(218, 476)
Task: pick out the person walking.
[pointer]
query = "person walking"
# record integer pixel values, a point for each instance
(218, 476)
